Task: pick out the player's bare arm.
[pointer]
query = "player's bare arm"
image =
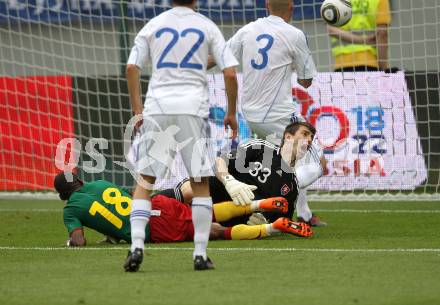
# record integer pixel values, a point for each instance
(231, 87)
(221, 168)
(382, 46)
(133, 81)
(77, 238)
(350, 37)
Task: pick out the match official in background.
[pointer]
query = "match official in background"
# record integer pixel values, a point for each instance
(175, 115)
(362, 44)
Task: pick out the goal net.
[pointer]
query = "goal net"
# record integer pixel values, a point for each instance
(64, 101)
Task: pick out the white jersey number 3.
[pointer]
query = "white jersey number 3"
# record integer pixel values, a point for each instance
(263, 52)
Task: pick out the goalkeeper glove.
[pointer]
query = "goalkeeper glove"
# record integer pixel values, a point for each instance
(241, 193)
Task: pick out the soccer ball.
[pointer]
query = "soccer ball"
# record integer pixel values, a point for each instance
(336, 12)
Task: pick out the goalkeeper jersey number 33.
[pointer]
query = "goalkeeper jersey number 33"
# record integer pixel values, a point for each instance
(259, 163)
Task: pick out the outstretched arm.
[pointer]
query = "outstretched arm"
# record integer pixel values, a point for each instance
(350, 37)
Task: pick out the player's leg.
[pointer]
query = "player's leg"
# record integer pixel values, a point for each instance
(171, 222)
(140, 211)
(186, 192)
(248, 232)
(201, 215)
(227, 210)
(151, 161)
(240, 232)
(139, 217)
(181, 192)
(199, 162)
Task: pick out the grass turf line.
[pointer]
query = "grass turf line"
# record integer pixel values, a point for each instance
(241, 277)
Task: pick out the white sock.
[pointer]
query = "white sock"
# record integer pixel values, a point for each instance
(271, 230)
(255, 205)
(139, 217)
(302, 208)
(202, 219)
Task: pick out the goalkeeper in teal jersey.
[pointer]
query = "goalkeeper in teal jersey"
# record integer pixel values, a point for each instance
(105, 207)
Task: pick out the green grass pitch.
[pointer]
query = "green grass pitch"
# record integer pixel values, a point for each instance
(371, 253)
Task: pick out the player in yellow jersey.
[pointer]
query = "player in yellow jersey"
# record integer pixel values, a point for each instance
(362, 44)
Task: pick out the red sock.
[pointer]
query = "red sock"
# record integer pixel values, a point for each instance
(227, 233)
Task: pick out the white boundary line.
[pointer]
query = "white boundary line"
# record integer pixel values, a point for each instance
(31, 210)
(29, 195)
(396, 250)
(377, 211)
(331, 197)
(314, 210)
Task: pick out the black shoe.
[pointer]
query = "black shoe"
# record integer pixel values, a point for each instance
(134, 260)
(201, 264)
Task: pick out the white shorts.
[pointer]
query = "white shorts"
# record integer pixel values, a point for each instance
(273, 132)
(163, 136)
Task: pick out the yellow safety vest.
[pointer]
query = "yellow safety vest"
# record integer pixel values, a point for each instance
(363, 21)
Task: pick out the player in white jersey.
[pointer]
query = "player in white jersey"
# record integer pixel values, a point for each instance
(269, 50)
(175, 114)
